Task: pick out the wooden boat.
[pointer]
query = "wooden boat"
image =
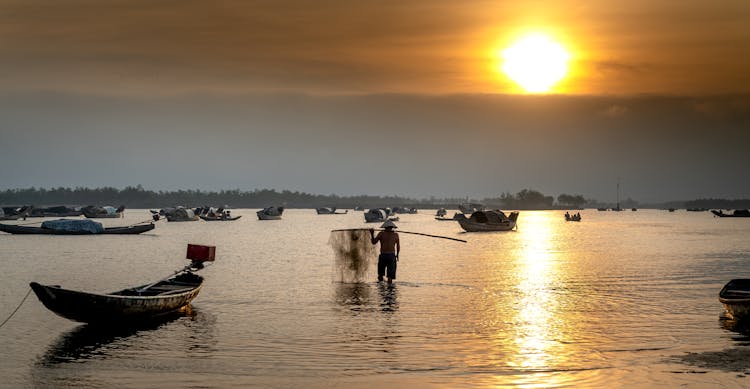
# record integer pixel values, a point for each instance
(28, 230)
(735, 296)
(735, 213)
(441, 212)
(221, 218)
(180, 215)
(329, 211)
(572, 218)
(135, 303)
(494, 220)
(270, 213)
(106, 212)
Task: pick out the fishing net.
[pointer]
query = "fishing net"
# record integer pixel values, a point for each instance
(353, 252)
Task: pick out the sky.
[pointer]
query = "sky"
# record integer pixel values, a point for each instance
(375, 97)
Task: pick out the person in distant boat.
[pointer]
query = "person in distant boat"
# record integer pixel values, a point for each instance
(390, 246)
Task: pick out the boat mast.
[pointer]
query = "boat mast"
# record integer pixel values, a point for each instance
(618, 193)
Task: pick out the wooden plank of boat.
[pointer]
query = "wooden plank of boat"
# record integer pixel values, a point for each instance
(129, 304)
(735, 296)
(28, 230)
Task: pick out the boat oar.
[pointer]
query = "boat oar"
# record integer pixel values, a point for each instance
(403, 232)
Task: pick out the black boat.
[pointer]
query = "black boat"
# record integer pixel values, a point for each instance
(736, 213)
(125, 305)
(735, 296)
(26, 230)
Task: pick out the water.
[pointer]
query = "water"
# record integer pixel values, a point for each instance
(623, 299)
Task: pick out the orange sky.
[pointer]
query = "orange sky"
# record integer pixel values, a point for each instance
(362, 47)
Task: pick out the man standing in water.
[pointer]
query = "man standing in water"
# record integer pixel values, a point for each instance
(390, 246)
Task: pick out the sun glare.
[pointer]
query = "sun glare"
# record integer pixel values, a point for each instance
(536, 63)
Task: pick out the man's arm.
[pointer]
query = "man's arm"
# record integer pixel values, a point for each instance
(373, 238)
(398, 245)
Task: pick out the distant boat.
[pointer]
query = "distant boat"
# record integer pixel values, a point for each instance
(75, 227)
(225, 217)
(56, 211)
(736, 213)
(735, 296)
(404, 210)
(494, 220)
(329, 211)
(15, 213)
(379, 215)
(572, 218)
(105, 212)
(180, 214)
(441, 212)
(270, 213)
(671, 209)
(601, 209)
(633, 209)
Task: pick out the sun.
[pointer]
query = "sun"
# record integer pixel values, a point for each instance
(535, 62)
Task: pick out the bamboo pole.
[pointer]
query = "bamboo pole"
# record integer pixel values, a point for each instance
(402, 232)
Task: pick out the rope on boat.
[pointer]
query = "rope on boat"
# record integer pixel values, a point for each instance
(16, 310)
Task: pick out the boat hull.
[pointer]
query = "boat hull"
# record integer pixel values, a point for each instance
(26, 230)
(263, 216)
(735, 297)
(100, 308)
(182, 219)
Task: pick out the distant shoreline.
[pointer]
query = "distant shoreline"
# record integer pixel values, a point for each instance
(138, 197)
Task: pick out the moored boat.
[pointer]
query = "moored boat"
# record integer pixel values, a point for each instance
(15, 213)
(270, 213)
(494, 220)
(220, 218)
(105, 212)
(735, 296)
(55, 227)
(180, 214)
(379, 215)
(735, 213)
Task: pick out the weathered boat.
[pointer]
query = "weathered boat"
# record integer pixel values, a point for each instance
(128, 304)
(329, 211)
(105, 212)
(735, 213)
(270, 213)
(495, 220)
(132, 304)
(735, 296)
(46, 229)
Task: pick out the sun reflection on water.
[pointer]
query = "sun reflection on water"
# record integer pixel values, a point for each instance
(537, 328)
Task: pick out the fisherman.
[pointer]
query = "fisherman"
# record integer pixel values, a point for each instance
(390, 246)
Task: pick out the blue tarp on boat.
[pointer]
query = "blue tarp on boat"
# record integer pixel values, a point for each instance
(74, 225)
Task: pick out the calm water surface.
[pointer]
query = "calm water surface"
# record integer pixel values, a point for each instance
(623, 299)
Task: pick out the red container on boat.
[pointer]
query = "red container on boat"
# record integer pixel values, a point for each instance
(198, 252)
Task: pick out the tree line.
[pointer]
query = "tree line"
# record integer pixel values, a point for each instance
(138, 197)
